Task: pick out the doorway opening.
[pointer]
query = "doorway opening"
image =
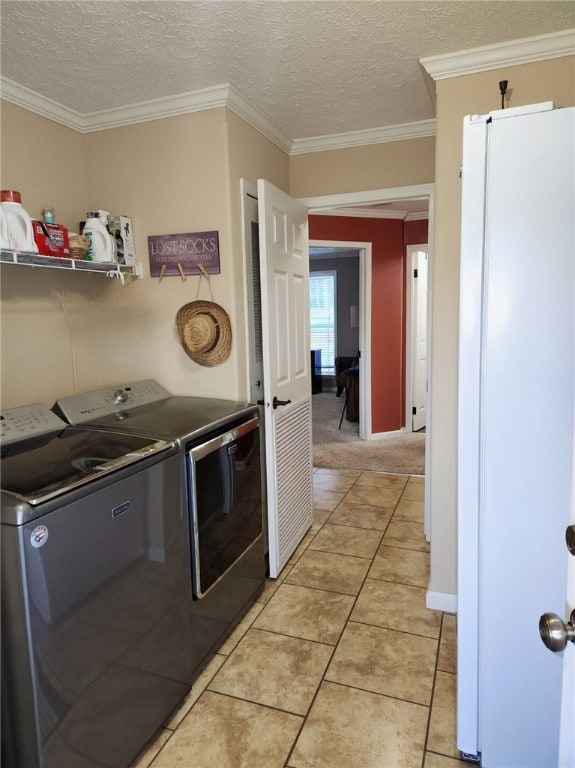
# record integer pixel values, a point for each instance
(409, 203)
(352, 263)
(397, 202)
(399, 230)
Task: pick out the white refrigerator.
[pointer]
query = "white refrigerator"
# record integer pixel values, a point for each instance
(515, 435)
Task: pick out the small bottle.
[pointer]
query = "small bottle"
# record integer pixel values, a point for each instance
(48, 215)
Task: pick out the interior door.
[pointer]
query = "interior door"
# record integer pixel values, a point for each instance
(284, 265)
(419, 339)
(567, 731)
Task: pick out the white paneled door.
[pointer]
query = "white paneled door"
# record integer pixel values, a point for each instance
(284, 265)
(419, 338)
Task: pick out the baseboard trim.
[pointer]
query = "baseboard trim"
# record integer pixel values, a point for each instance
(441, 601)
(384, 435)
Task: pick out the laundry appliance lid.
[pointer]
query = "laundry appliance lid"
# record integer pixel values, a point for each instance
(174, 418)
(41, 468)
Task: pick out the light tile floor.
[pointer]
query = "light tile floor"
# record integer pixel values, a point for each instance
(339, 664)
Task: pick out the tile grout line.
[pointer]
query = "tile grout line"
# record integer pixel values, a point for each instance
(392, 629)
(335, 647)
(432, 693)
(377, 693)
(322, 679)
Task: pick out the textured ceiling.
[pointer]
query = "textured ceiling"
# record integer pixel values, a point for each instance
(313, 67)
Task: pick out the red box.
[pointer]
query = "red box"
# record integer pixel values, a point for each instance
(51, 239)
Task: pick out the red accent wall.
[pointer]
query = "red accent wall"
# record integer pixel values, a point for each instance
(416, 232)
(387, 308)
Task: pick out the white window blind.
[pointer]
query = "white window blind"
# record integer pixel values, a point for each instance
(322, 299)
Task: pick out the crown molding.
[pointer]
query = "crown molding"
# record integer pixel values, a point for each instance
(398, 132)
(41, 105)
(156, 109)
(180, 104)
(247, 110)
(224, 95)
(369, 213)
(361, 213)
(524, 51)
(370, 197)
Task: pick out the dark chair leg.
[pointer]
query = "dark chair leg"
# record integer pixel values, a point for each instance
(344, 406)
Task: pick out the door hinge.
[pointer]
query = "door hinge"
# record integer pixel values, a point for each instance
(414, 411)
(415, 272)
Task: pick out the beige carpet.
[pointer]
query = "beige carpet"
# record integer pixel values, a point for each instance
(404, 454)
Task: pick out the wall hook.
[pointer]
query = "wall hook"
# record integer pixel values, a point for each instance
(503, 90)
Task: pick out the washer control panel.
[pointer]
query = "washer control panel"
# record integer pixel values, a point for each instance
(78, 409)
(28, 421)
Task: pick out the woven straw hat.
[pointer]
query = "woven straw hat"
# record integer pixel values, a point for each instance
(205, 332)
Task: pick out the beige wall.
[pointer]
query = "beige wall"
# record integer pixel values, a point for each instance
(64, 332)
(377, 166)
(456, 97)
(170, 176)
(45, 162)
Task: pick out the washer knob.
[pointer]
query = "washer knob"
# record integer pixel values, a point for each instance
(120, 396)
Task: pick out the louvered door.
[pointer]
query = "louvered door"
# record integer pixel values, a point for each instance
(284, 264)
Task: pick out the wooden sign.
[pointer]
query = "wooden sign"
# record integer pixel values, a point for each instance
(183, 254)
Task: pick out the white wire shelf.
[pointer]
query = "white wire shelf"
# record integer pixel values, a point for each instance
(111, 269)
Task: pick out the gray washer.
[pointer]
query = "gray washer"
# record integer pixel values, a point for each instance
(95, 597)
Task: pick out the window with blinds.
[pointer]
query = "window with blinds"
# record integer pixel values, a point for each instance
(322, 300)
